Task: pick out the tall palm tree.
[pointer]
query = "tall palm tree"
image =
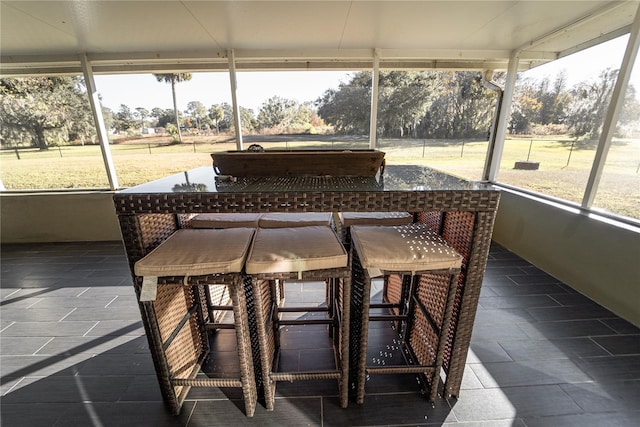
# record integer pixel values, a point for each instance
(173, 79)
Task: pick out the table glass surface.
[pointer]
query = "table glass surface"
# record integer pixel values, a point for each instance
(394, 178)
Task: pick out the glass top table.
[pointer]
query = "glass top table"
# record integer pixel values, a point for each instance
(461, 211)
(394, 178)
(410, 188)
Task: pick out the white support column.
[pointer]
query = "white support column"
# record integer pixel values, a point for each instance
(375, 77)
(613, 112)
(503, 119)
(96, 110)
(234, 99)
(487, 82)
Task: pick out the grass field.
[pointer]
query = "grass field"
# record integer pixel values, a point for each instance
(150, 158)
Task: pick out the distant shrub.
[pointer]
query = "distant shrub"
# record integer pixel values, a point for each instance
(172, 130)
(550, 129)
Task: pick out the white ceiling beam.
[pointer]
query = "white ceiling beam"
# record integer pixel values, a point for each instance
(14, 70)
(570, 26)
(595, 41)
(281, 59)
(216, 56)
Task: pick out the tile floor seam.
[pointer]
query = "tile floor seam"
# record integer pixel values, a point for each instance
(68, 314)
(613, 331)
(90, 329)
(86, 289)
(601, 346)
(7, 296)
(35, 353)
(584, 410)
(8, 326)
(13, 386)
(36, 302)
(109, 303)
(193, 408)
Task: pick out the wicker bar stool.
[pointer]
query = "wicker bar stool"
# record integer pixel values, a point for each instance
(172, 279)
(311, 253)
(287, 220)
(425, 262)
(217, 299)
(392, 284)
(347, 219)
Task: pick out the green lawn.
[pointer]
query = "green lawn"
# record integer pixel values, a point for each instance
(152, 158)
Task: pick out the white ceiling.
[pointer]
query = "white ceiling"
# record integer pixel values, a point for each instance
(50, 36)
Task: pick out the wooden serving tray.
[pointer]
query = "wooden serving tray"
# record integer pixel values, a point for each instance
(299, 163)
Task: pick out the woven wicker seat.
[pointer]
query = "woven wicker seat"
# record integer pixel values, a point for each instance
(308, 254)
(393, 283)
(425, 262)
(288, 220)
(285, 220)
(346, 219)
(218, 296)
(175, 279)
(225, 220)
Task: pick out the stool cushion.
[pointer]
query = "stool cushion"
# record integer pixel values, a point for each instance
(284, 220)
(402, 248)
(225, 220)
(375, 218)
(190, 252)
(282, 250)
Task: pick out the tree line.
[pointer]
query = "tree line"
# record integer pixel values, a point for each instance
(39, 111)
(276, 113)
(437, 104)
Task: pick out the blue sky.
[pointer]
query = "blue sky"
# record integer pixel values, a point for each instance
(586, 65)
(254, 88)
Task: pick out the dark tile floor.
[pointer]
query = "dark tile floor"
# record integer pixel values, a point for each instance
(73, 353)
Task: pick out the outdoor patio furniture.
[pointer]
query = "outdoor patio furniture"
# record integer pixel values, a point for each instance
(170, 283)
(392, 283)
(465, 211)
(346, 219)
(219, 300)
(225, 220)
(429, 269)
(311, 253)
(283, 220)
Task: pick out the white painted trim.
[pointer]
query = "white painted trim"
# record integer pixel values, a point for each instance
(234, 99)
(613, 112)
(503, 119)
(375, 80)
(96, 110)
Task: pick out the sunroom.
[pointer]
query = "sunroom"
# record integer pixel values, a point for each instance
(559, 311)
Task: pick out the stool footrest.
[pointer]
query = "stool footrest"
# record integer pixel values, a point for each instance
(399, 369)
(214, 325)
(301, 376)
(385, 305)
(387, 317)
(306, 322)
(301, 309)
(207, 382)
